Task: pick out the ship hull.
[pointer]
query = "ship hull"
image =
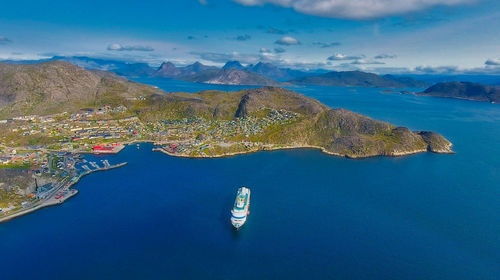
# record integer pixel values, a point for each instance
(239, 212)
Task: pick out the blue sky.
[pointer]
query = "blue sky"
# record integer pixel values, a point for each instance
(385, 36)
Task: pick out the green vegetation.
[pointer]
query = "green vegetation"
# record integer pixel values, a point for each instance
(8, 198)
(17, 165)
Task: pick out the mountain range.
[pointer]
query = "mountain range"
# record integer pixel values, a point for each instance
(234, 73)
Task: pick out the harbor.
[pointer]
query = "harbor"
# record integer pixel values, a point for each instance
(58, 193)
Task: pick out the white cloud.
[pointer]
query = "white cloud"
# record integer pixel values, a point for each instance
(341, 56)
(355, 9)
(287, 41)
(119, 47)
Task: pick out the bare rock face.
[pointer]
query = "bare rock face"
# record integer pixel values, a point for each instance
(436, 143)
(242, 110)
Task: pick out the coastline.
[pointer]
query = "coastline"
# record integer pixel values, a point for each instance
(439, 96)
(51, 201)
(323, 150)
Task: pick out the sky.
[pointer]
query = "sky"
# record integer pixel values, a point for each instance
(382, 36)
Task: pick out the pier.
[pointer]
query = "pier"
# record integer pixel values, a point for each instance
(62, 191)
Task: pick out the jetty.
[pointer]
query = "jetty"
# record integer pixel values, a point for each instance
(61, 192)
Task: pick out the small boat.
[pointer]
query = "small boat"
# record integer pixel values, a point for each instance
(138, 146)
(240, 211)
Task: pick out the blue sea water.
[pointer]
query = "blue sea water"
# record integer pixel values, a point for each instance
(313, 216)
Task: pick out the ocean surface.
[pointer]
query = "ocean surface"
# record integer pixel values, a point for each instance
(313, 216)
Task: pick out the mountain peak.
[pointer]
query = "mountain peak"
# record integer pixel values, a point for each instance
(166, 64)
(233, 65)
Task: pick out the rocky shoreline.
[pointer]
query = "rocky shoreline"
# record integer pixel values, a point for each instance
(323, 150)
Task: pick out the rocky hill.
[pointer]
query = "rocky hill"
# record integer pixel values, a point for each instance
(464, 90)
(335, 131)
(56, 86)
(169, 70)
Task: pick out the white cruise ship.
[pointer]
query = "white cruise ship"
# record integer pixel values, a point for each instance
(240, 209)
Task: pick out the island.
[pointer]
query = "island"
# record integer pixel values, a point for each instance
(52, 112)
(464, 90)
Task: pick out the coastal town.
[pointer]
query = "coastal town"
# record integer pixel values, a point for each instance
(41, 156)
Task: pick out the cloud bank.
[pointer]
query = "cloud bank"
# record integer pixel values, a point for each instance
(355, 9)
(119, 47)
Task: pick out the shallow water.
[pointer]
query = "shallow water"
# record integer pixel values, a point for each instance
(312, 215)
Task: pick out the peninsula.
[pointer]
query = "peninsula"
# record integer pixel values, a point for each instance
(54, 110)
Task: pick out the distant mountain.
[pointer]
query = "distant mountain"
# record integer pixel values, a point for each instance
(269, 70)
(273, 72)
(121, 68)
(265, 70)
(355, 78)
(231, 74)
(134, 70)
(464, 90)
(169, 70)
(440, 78)
(195, 68)
(235, 65)
(230, 77)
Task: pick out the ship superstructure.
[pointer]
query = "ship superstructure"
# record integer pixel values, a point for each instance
(240, 211)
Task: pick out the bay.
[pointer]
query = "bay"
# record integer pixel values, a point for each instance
(313, 216)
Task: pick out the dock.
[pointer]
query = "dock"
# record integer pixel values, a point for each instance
(62, 191)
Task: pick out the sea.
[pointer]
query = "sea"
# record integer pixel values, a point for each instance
(312, 215)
